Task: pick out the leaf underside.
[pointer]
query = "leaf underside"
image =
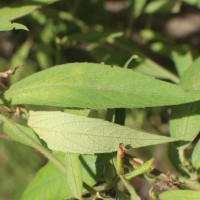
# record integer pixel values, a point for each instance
(78, 134)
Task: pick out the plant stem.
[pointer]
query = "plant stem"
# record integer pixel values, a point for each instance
(31, 142)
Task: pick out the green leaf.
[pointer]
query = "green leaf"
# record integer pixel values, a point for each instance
(78, 134)
(195, 156)
(144, 168)
(75, 178)
(151, 68)
(139, 6)
(193, 2)
(17, 10)
(182, 62)
(180, 195)
(92, 168)
(89, 85)
(20, 57)
(184, 122)
(160, 6)
(109, 170)
(50, 183)
(7, 26)
(190, 79)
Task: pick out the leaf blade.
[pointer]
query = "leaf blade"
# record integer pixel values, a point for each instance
(89, 85)
(7, 26)
(17, 10)
(184, 122)
(75, 178)
(79, 134)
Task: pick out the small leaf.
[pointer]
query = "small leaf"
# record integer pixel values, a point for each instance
(151, 68)
(196, 156)
(144, 168)
(78, 134)
(180, 195)
(74, 174)
(7, 26)
(89, 85)
(17, 10)
(190, 79)
(184, 121)
(182, 62)
(19, 57)
(160, 6)
(192, 2)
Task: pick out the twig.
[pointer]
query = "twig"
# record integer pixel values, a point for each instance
(9, 72)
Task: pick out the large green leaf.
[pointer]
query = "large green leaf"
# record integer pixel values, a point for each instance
(184, 123)
(17, 10)
(50, 183)
(78, 134)
(180, 195)
(90, 85)
(7, 26)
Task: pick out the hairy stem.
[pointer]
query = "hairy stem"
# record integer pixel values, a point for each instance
(31, 142)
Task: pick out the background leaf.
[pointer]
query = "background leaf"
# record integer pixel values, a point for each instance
(151, 68)
(21, 58)
(7, 26)
(89, 85)
(193, 2)
(17, 10)
(79, 134)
